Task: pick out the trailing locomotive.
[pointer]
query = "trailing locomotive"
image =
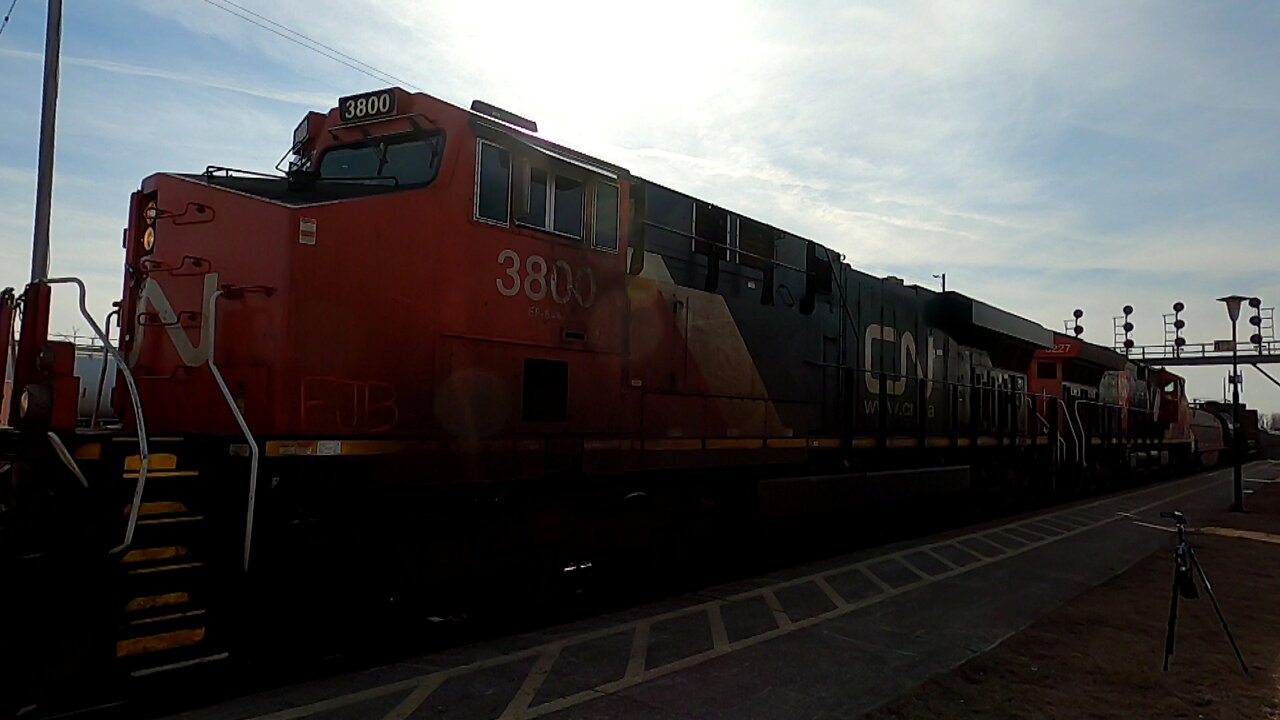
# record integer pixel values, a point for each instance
(439, 338)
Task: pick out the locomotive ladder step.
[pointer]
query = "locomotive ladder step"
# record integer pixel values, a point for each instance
(170, 520)
(166, 618)
(151, 602)
(172, 640)
(166, 568)
(142, 555)
(164, 507)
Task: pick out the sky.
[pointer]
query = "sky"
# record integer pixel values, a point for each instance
(1045, 155)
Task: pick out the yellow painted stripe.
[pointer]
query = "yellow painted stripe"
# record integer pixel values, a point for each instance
(987, 441)
(864, 442)
(936, 442)
(168, 507)
(159, 553)
(797, 443)
(1042, 440)
(820, 443)
(901, 442)
(155, 461)
(164, 473)
(530, 445)
(156, 643)
(734, 443)
(155, 601)
(962, 442)
(606, 445)
(1024, 441)
(89, 451)
(173, 616)
(1095, 441)
(149, 439)
(681, 444)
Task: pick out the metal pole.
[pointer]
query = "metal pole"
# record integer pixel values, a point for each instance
(48, 122)
(1238, 504)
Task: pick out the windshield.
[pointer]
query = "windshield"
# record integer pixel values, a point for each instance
(411, 160)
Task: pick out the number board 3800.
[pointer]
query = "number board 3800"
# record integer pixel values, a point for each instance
(367, 105)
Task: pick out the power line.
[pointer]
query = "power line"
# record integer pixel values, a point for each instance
(312, 40)
(311, 44)
(5, 24)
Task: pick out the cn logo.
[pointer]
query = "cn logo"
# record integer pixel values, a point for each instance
(151, 294)
(897, 384)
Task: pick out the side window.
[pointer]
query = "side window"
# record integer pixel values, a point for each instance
(604, 225)
(569, 203)
(493, 183)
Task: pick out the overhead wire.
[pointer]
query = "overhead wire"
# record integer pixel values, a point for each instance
(283, 31)
(7, 15)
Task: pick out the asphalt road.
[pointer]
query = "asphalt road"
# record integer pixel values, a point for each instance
(827, 640)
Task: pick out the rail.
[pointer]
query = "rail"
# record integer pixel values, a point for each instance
(143, 455)
(212, 313)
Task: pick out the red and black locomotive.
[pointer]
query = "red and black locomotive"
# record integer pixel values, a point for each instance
(437, 330)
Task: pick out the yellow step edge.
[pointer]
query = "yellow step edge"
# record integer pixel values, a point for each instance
(159, 553)
(162, 473)
(150, 602)
(174, 616)
(164, 507)
(166, 568)
(156, 643)
(155, 461)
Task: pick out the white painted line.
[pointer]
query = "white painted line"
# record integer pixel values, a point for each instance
(941, 559)
(779, 615)
(719, 638)
(1153, 526)
(639, 649)
(884, 586)
(914, 569)
(415, 699)
(532, 682)
(831, 593)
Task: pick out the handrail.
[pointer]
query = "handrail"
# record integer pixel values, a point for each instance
(102, 375)
(1066, 414)
(143, 455)
(1099, 403)
(212, 315)
(1045, 422)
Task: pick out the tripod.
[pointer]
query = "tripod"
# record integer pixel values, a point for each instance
(1184, 584)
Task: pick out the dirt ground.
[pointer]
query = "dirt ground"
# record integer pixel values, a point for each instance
(1100, 656)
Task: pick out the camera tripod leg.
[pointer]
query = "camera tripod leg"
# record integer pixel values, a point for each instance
(1173, 622)
(1218, 609)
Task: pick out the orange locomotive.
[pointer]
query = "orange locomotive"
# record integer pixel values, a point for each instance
(439, 342)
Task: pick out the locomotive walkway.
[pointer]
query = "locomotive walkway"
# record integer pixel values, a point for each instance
(833, 639)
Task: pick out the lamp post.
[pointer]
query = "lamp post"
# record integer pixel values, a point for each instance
(1233, 311)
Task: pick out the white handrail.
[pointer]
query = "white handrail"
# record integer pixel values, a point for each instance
(143, 455)
(1066, 414)
(212, 314)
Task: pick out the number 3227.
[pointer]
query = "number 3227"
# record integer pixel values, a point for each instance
(538, 278)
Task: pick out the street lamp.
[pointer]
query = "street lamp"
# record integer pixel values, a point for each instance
(1233, 311)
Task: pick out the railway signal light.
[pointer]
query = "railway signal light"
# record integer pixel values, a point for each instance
(1256, 322)
(1078, 329)
(1178, 326)
(1127, 326)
